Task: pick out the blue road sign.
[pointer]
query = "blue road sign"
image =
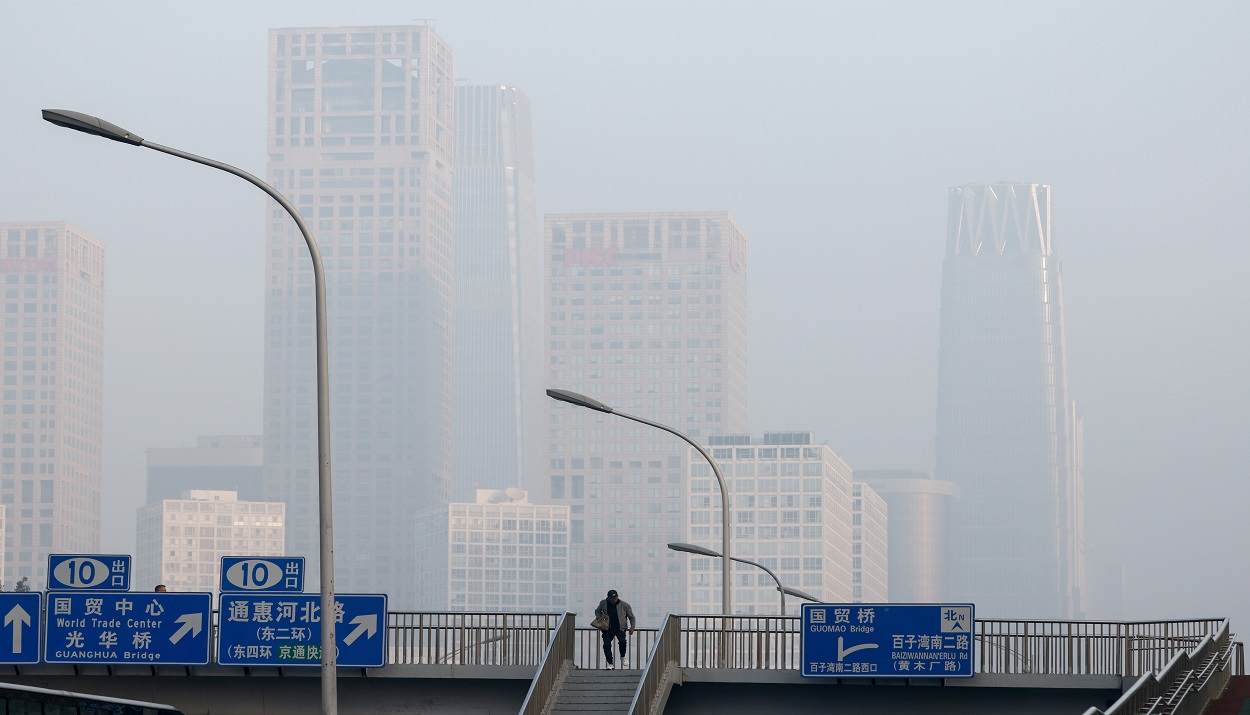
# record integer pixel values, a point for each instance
(144, 628)
(285, 629)
(19, 639)
(884, 640)
(262, 573)
(88, 572)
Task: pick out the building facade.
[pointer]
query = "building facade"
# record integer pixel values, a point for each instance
(791, 510)
(361, 139)
(52, 406)
(216, 463)
(499, 553)
(180, 542)
(920, 512)
(870, 546)
(647, 313)
(497, 326)
(1007, 432)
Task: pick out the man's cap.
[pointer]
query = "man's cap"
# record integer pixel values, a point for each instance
(612, 593)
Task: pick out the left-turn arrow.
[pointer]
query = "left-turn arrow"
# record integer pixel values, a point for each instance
(17, 617)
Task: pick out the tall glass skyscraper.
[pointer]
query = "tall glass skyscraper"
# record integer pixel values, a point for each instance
(52, 409)
(496, 331)
(361, 138)
(1007, 433)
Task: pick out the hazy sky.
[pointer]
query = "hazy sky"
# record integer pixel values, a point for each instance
(831, 131)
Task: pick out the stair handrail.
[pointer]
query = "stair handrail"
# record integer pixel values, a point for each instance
(556, 661)
(1153, 687)
(661, 669)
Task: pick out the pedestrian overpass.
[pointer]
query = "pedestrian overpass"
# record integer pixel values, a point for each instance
(539, 663)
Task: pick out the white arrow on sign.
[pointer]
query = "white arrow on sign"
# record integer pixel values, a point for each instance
(18, 617)
(842, 653)
(365, 624)
(193, 622)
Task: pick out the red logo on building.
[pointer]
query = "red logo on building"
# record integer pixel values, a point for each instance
(590, 257)
(22, 265)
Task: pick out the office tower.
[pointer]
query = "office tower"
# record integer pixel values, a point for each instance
(920, 512)
(361, 140)
(52, 411)
(647, 313)
(791, 510)
(498, 553)
(180, 542)
(870, 563)
(216, 463)
(1007, 433)
(497, 326)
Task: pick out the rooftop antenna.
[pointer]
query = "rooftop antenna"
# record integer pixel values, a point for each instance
(425, 20)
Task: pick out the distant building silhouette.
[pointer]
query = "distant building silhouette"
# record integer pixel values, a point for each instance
(216, 462)
(1007, 432)
(53, 395)
(498, 402)
(361, 140)
(920, 510)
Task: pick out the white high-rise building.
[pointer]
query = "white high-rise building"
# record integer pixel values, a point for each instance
(647, 312)
(180, 542)
(870, 563)
(791, 504)
(52, 406)
(500, 553)
(361, 140)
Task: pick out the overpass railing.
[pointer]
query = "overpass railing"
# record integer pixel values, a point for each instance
(1190, 680)
(454, 638)
(555, 663)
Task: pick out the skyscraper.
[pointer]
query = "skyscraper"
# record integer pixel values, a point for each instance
(52, 411)
(647, 314)
(216, 462)
(919, 534)
(497, 325)
(1007, 433)
(361, 139)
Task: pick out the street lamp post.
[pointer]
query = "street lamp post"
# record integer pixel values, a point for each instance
(783, 590)
(574, 398)
(94, 125)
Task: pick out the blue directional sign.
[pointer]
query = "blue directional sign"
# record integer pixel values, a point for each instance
(145, 628)
(883, 640)
(285, 629)
(262, 573)
(79, 572)
(19, 639)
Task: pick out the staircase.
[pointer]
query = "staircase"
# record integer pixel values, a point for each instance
(1235, 700)
(597, 691)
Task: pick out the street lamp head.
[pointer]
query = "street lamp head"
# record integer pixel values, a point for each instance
(574, 398)
(801, 594)
(693, 549)
(88, 124)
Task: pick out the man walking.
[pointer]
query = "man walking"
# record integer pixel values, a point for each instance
(618, 613)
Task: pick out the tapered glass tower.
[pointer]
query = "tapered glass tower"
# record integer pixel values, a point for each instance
(1007, 432)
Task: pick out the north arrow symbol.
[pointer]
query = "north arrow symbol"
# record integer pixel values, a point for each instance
(18, 617)
(365, 624)
(193, 622)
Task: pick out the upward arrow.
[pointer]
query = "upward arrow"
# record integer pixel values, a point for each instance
(364, 624)
(193, 622)
(18, 617)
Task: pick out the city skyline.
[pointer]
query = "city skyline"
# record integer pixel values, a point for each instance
(842, 189)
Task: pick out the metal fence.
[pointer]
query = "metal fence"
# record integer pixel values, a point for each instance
(469, 638)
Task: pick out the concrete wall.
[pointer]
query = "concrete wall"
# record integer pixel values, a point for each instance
(866, 699)
(268, 695)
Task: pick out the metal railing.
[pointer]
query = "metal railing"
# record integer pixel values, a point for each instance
(454, 638)
(1186, 684)
(556, 662)
(660, 669)
(588, 654)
